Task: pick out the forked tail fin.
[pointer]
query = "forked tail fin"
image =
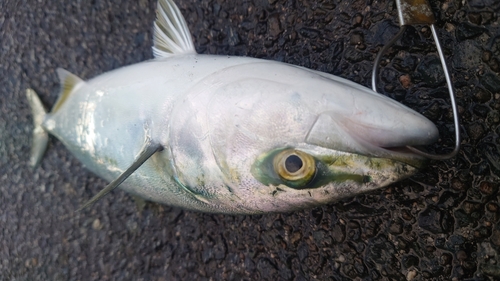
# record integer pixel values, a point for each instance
(40, 135)
(69, 84)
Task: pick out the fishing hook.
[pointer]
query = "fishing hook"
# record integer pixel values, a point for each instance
(412, 12)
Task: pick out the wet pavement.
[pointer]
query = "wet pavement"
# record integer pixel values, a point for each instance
(442, 224)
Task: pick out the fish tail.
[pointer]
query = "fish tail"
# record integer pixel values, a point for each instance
(40, 135)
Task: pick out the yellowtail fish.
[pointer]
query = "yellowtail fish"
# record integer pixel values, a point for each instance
(233, 135)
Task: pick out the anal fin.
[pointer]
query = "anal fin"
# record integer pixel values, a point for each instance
(146, 152)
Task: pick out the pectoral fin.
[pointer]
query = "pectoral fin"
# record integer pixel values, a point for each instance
(147, 151)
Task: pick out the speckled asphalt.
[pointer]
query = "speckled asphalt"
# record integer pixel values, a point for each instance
(442, 224)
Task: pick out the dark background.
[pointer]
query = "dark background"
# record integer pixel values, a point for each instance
(442, 224)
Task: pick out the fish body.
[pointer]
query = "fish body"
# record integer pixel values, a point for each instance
(233, 135)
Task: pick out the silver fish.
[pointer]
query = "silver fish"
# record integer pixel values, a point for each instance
(232, 135)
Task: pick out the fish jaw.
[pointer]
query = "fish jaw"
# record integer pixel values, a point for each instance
(382, 138)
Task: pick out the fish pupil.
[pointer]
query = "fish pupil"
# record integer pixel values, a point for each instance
(293, 163)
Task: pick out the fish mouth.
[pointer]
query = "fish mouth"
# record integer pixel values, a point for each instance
(401, 154)
(405, 155)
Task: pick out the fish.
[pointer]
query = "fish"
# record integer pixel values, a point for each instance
(226, 134)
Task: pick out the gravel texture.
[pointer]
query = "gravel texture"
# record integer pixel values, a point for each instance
(442, 224)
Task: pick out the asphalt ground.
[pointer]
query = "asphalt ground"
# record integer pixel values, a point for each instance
(442, 224)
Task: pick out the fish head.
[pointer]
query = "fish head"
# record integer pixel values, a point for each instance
(291, 138)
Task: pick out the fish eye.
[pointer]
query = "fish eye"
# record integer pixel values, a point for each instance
(294, 166)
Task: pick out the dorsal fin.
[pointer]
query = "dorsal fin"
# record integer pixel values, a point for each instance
(171, 33)
(69, 82)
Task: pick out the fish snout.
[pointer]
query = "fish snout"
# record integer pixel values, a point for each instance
(379, 127)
